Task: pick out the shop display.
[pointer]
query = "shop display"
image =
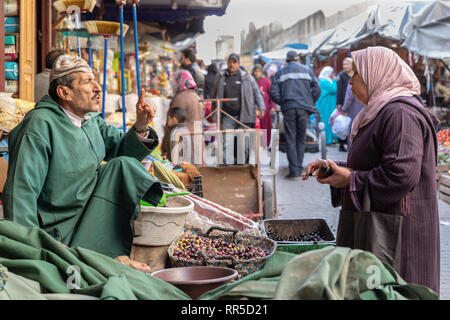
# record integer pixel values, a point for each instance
(313, 236)
(12, 24)
(444, 137)
(11, 7)
(191, 246)
(11, 86)
(244, 253)
(11, 71)
(12, 111)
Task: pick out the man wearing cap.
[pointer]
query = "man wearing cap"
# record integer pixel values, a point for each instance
(237, 83)
(56, 180)
(296, 89)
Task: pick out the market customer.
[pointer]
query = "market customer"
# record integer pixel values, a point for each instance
(237, 83)
(264, 84)
(41, 81)
(56, 180)
(327, 100)
(342, 80)
(176, 122)
(296, 89)
(393, 155)
(351, 107)
(188, 62)
(185, 96)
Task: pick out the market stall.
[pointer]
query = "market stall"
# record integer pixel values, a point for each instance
(398, 26)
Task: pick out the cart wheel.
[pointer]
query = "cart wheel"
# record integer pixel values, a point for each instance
(268, 200)
(323, 145)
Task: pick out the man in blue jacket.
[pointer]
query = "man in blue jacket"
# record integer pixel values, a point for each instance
(296, 89)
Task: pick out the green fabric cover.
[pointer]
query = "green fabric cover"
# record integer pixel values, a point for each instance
(35, 255)
(328, 273)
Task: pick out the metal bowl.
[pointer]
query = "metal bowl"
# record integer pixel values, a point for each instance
(195, 281)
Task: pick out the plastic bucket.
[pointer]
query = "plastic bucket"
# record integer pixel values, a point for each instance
(159, 226)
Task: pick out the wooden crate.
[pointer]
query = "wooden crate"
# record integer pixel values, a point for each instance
(441, 169)
(444, 188)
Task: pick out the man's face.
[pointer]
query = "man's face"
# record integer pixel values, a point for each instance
(85, 94)
(184, 61)
(233, 66)
(347, 66)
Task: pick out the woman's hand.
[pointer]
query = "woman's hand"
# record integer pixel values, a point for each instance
(340, 177)
(313, 168)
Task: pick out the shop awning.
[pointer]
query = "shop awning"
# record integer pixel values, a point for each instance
(431, 39)
(390, 20)
(162, 10)
(175, 25)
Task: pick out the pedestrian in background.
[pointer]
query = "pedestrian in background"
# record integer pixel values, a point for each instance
(42, 83)
(327, 101)
(188, 62)
(237, 83)
(186, 97)
(211, 81)
(342, 80)
(264, 84)
(352, 106)
(296, 89)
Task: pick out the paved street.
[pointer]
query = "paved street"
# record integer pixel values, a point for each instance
(309, 199)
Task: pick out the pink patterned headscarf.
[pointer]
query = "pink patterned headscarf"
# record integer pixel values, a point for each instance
(183, 80)
(386, 76)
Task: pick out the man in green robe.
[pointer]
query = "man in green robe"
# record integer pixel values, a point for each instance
(56, 180)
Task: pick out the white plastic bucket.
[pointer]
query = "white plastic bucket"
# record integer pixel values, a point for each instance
(159, 226)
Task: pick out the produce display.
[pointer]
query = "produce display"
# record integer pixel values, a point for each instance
(313, 236)
(444, 137)
(444, 146)
(190, 246)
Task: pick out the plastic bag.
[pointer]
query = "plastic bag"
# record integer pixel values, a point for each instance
(341, 126)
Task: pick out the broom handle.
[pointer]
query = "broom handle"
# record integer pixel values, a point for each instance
(105, 60)
(77, 24)
(122, 65)
(136, 49)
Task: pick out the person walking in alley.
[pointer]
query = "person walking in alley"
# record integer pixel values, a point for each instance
(342, 80)
(296, 89)
(264, 84)
(188, 62)
(237, 83)
(327, 101)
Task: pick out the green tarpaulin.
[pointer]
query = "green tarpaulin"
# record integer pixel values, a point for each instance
(328, 273)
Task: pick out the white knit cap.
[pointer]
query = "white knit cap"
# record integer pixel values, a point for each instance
(66, 64)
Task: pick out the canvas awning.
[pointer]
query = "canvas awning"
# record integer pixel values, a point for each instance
(391, 20)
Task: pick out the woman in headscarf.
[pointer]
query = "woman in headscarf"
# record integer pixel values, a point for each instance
(184, 88)
(185, 96)
(327, 100)
(392, 156)
(264, 85)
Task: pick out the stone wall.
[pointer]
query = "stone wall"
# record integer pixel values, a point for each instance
(273, 36)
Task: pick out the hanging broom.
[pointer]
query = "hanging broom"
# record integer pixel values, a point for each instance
(85, 5)
(105, 29)
(69, 7)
